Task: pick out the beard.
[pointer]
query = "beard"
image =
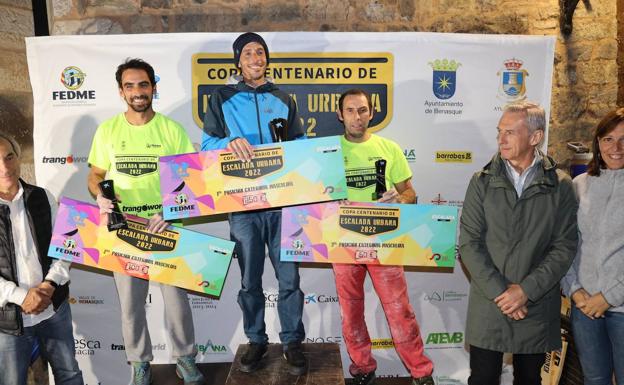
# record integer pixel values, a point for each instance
(143, 108)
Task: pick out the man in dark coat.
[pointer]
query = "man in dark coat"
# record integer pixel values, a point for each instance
(518, 238)
(33, 287)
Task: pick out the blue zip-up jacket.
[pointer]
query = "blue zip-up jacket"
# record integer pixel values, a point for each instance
(240, 111)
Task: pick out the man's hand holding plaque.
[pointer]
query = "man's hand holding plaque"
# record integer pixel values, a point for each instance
(107, 202)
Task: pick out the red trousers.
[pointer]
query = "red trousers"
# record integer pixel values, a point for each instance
(390, 285)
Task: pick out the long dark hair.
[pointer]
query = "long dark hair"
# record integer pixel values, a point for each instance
(606, 125)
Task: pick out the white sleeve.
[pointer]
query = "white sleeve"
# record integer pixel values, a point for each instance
(10, 292)
(59, 270)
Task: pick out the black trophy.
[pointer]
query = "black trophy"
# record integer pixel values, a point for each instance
(279, 129)
(380, 182)
(116, 219)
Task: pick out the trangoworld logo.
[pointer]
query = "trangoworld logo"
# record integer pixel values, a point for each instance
(444, 77)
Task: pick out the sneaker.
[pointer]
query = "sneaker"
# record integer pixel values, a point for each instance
(364, 378)
(295, 359)
(186, 369)
(250, 361)
(426, 380)
(141, 373)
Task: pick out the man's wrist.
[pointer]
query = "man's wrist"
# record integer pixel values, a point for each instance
(52, 283)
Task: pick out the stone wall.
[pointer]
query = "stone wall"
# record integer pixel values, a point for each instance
(16, 22)
(586, 75)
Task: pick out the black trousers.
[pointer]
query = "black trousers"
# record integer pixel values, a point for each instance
(486, 366)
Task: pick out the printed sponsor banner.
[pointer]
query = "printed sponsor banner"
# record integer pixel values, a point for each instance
(280, 174)
(176, 256)
(315, 80)
(371, 233)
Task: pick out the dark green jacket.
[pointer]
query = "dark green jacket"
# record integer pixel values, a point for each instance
(530, 241)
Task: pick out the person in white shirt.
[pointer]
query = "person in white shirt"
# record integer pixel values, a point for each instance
(33, 287)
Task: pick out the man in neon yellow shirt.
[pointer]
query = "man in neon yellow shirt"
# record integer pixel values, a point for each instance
(126, 149)
(361, 150)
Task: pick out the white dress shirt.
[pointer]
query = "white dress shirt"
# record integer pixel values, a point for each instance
(520, 181)
(29, 271)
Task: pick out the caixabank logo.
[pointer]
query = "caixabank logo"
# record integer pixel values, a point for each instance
(74, 94)
(317, 299)
(315, 80)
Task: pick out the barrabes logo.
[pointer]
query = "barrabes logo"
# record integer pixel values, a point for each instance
(382, 343)
(444, 77)
(73, 78)
(512, 80)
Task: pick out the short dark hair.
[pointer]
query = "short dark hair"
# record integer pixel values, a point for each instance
(14, 145)
(355, 91)
(606, 125)
(137, 64)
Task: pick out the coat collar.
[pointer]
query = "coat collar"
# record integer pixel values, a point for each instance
(545, 175)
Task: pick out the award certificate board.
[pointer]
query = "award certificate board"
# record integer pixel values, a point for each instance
(280, 174)
(176, 256)
(371, 233)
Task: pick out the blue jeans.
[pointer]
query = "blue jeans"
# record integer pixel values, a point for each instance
(252, 231)
(56, 341)
(600, 346)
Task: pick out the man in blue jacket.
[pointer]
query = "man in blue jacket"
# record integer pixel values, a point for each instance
(239, 116)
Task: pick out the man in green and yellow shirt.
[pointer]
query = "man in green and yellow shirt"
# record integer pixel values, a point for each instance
(361, 150)
(126, 149)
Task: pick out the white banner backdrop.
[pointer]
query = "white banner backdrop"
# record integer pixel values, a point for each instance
(442, 113)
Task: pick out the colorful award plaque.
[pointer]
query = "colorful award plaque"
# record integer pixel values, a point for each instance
(280, 174)
(176, 256)
(372, 233)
